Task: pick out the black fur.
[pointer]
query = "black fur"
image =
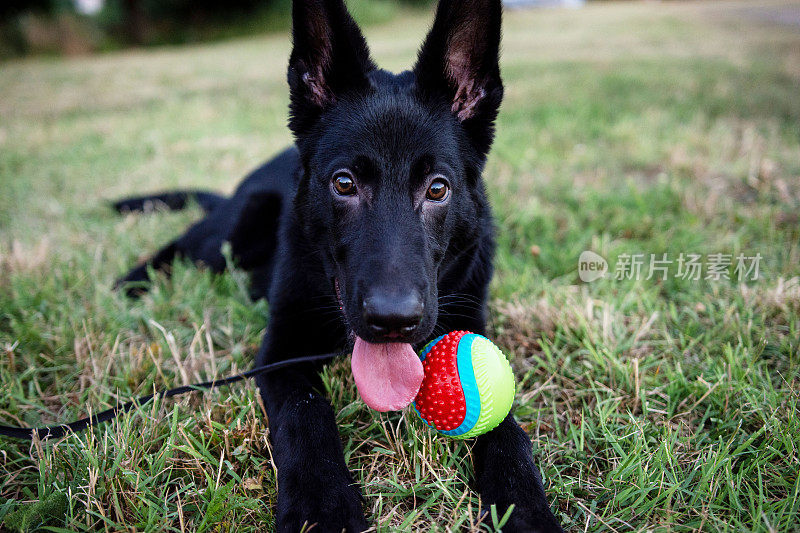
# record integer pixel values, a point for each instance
(402, 263)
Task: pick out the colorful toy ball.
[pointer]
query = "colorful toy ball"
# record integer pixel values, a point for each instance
(468, 386)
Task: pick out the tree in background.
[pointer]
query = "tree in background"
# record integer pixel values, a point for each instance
(30, 26)
(81, 26)
(9, 8)
(144, 21)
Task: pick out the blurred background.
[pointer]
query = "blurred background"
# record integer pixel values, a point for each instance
(627, 127)
(74, 27)
(84, 26)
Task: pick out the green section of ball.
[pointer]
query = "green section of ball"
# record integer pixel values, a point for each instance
(496, 386)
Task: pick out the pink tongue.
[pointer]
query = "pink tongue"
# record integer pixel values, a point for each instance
(388, 376)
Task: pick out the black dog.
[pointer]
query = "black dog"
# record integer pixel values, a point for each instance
(378, 215)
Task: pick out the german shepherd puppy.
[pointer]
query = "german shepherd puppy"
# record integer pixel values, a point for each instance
(379, 213)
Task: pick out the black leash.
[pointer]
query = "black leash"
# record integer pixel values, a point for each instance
(79, 425)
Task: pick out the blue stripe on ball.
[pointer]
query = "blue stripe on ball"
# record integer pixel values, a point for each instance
(466, 374)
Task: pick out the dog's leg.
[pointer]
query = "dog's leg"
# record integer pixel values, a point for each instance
(505, 473)
(314, 484)
(201, 243)
(249, 224)
(135, 282)
(173, 200)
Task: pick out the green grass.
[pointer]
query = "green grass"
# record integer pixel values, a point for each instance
(627, 128)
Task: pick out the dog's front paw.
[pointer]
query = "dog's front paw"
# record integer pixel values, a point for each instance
(505, 475)
(320, 506)
(519, 487)
(525, 517)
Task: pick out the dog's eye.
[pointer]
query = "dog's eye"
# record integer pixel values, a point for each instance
(343, 183)
(438, 190)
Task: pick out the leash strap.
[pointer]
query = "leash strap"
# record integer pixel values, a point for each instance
(79, 425)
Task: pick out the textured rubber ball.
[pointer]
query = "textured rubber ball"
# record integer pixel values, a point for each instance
(468, 386)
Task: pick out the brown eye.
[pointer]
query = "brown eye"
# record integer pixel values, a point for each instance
(437, 190)
(343, 183)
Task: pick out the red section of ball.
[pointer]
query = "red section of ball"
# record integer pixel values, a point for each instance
(441, 399)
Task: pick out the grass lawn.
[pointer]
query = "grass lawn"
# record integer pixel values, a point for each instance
(627, 128)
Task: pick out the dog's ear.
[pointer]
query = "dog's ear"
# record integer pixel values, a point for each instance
(460, 61)
(329, 58)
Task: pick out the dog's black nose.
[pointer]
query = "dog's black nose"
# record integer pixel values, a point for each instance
(392, 315)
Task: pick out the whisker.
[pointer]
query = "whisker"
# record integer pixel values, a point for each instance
(458, 315)
(462, 296)
(470, 306)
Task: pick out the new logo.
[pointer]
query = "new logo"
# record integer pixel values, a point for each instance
(591, 266)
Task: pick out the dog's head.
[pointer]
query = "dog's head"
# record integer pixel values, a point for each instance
(391, 187)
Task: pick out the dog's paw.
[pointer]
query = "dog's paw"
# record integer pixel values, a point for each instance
(522, 489)
(505, 475)
(320, 507)
(524, 518)
(135, 283)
